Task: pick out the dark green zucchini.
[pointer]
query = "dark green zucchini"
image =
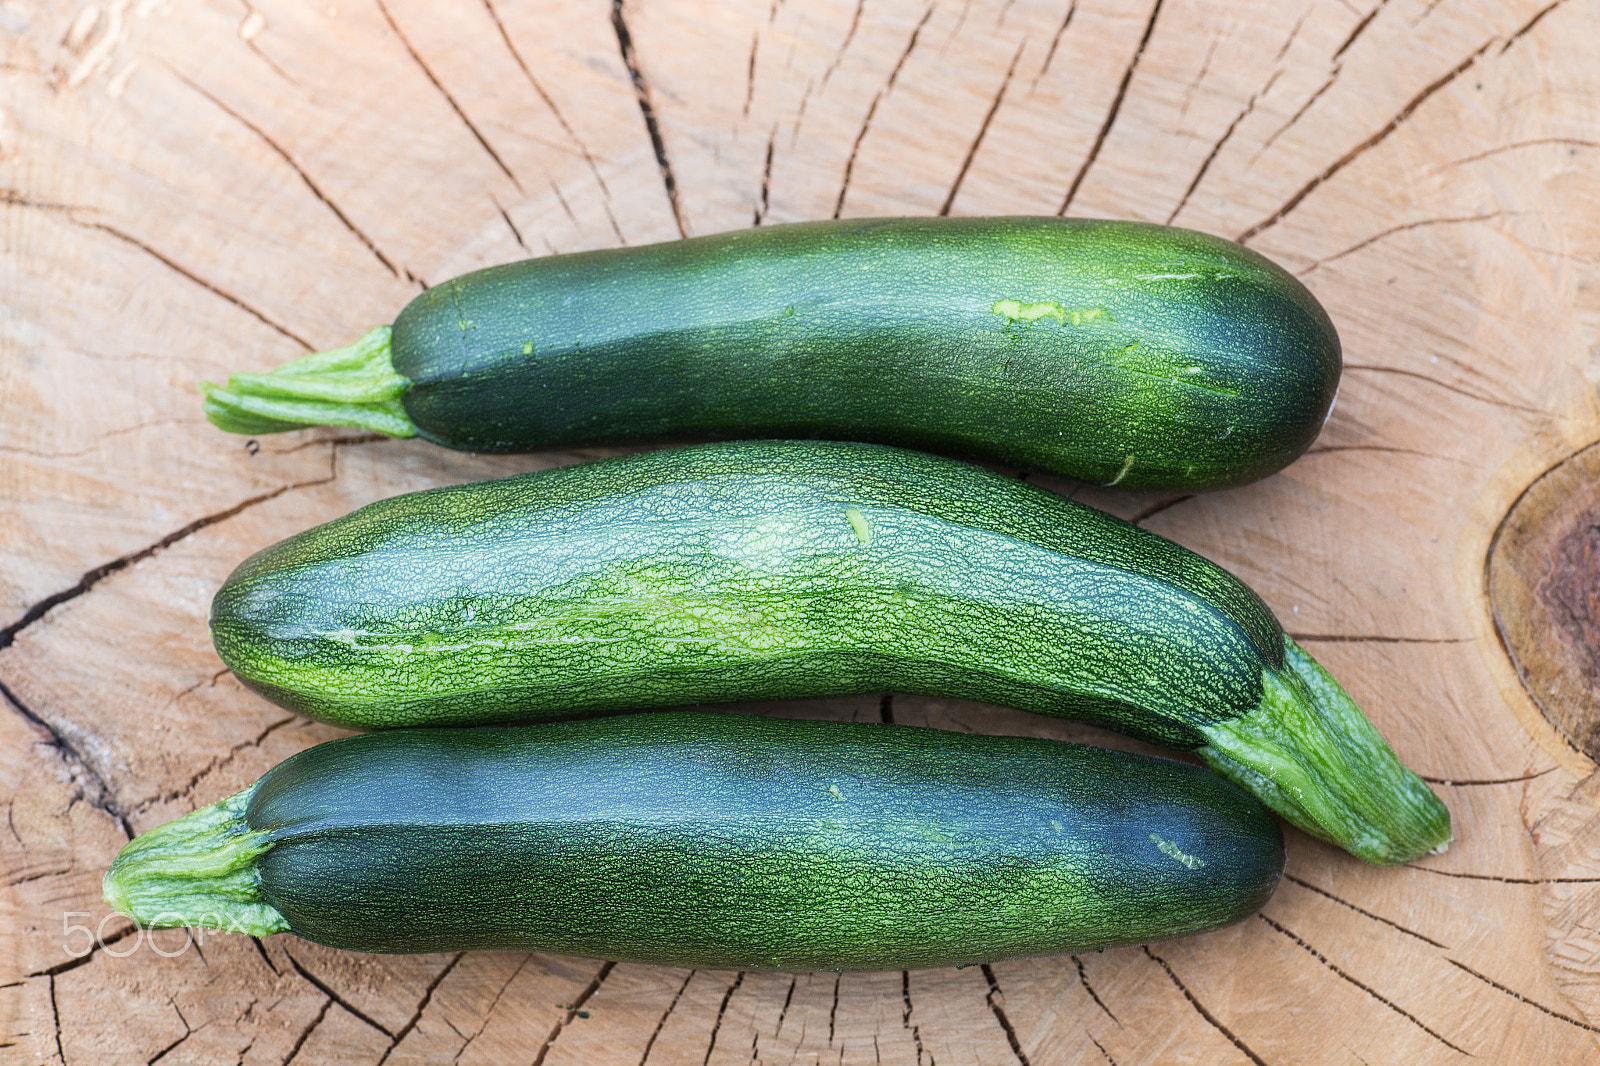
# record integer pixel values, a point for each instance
(1116, 352)
(713, 840)
(772, 569)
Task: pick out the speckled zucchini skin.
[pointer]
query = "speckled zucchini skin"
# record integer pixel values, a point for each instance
(727, 841)
(738, 571)
(1115, 352)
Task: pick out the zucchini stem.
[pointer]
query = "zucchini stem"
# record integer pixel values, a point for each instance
(1309, 753)
(196, 872)
(354, 386)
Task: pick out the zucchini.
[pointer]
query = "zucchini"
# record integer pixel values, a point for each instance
(713, 840)
(782, 569)
(1116, 352)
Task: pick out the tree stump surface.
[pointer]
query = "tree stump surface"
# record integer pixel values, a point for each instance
(197, 186)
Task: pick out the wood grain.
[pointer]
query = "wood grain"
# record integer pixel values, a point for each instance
(193, 186)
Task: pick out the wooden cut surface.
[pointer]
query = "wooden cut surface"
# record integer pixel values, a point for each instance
(194, 186)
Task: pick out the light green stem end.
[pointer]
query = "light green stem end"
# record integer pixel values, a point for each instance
(1310, 754)
(196, 872)
(354, 386)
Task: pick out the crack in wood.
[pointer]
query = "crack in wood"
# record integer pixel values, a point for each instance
(1358, 30)
(328, 990)
(1373, 638)
(549, 101)
(91, 578)
(1308, 886)
(1083, 979)
(764, 200)
(28, 879)
(449, 99)
(1050, 53)
(88, 956)
(187, 1033)
(1104, 1053)
(422, 1005)
(1392, 230)
(1293, 33)
(1520, 998)
(572, 1010)
(16, 198)
(216, 763)
(194, 942)
(1458, 390)
(838, 57)
(1487, 781)
(1426, 11)
(997, 1008)
(641, 90)
(872, 109)
(1157, 508)
(251, 44)
(283, 154)
(1111, 115)
(1574, 142)
(961, 20)
(1368, 989)
(1200, 1009)
(1506, 880)
(1529, 25)
(738, 979)
(185, 272)
(783, 1012)
(1194, 86)
(261, 949)
(91, 785)
(750, 74)
(905, 1018)
(100, 440)
(305, 1033)
(1333, 448)
(1227, 134)
(516, 234)
(833, 1012)
(661, 1022)
(488, 1013)
(855, 148)
(1299, 113)
(1388, 128)
(983, 131)
(55, 1015)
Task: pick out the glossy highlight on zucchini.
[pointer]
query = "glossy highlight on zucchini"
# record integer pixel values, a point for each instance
(788, 569)
(713, 840)
(1115, 352)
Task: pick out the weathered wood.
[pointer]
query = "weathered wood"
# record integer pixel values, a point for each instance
(192, 187)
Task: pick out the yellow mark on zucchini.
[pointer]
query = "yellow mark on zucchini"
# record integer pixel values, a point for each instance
(1017, 311)
(1167, 847)
(858, 523)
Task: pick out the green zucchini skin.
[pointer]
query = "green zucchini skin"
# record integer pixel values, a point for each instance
(727, 841)
(1122, 352)
(773, 570)
(1114, 352)
(750, 570)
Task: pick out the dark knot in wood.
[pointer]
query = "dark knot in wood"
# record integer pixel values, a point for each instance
(1544, 589)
